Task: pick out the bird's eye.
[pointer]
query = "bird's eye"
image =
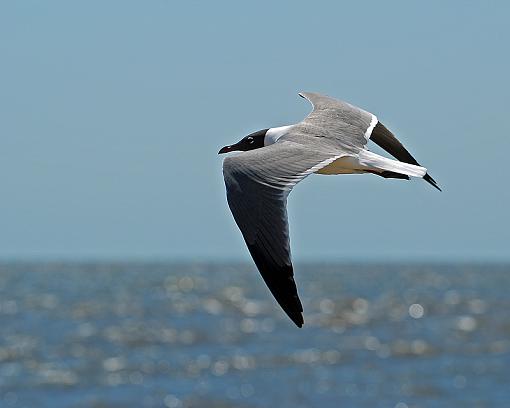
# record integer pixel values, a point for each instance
(250, 139)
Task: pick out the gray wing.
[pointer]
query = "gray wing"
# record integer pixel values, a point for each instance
(258, 183)
(349, 127)
(338, 123)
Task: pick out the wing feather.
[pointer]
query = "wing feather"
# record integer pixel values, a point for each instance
(258, 183)
(336, 122)
(383, 137)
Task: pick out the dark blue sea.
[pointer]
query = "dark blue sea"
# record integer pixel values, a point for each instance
(210, 335)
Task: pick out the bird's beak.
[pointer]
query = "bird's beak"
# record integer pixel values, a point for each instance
(227, 149)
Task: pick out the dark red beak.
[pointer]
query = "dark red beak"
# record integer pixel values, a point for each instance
(227, 149)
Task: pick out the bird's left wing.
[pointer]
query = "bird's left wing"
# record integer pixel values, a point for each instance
(258, 183)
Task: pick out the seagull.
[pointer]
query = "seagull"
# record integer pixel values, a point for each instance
(332, 139)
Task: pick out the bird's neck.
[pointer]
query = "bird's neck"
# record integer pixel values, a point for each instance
(273, 134)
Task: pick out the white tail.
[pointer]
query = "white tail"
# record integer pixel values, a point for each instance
(369, 159)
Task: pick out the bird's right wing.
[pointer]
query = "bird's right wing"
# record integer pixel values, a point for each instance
(350, 128)
(337, 123)
(258, 183)
(382, 137)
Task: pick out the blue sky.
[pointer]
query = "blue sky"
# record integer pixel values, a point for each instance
(112, 114)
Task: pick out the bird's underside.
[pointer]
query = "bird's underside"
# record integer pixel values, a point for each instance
(331, 140)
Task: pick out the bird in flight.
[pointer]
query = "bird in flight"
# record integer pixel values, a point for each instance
(332, 139)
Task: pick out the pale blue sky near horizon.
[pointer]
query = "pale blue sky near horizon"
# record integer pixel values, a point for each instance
(112, 114)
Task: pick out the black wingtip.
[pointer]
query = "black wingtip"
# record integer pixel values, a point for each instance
(431, 181)
(298, 320)
(295, 314)
(280, 281)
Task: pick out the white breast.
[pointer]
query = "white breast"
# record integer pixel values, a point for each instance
(344, 165)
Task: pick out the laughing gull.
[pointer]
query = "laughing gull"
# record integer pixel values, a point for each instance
(332, 139)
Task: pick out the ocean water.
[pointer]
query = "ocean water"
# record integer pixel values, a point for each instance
(210, 335)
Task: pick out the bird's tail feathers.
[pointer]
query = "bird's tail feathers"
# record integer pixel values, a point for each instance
(370, 159)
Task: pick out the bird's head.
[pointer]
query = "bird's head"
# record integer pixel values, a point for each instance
(252, 141)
